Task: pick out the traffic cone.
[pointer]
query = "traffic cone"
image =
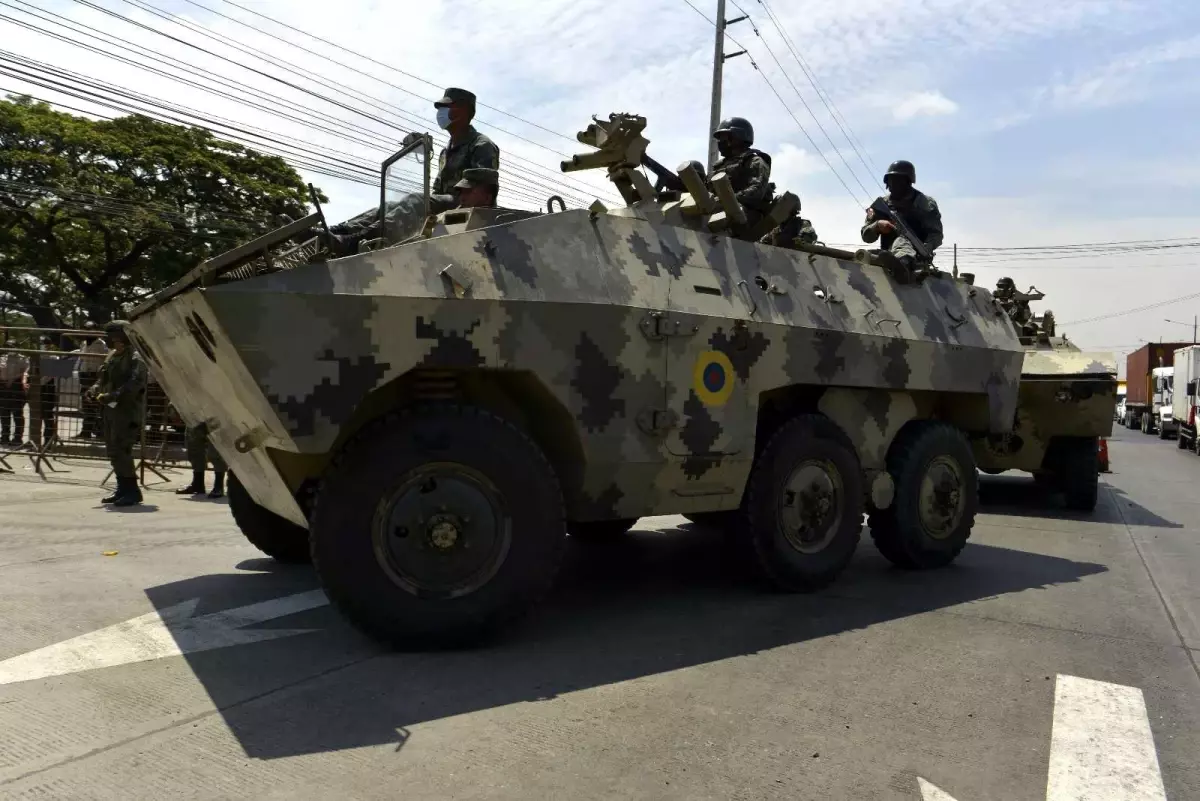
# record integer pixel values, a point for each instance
(1104, 455)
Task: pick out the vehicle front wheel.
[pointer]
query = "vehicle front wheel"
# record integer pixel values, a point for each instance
(937, 495)
(438, 525)
(805, 505)
(600, 530)
(1080, 473)
(276, 536)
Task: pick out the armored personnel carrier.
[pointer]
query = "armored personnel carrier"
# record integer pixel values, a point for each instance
(1067, 403)
(430, 416)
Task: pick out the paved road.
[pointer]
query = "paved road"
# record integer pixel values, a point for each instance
(653, 673)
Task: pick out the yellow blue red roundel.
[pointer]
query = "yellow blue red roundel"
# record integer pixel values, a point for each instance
(713, 378)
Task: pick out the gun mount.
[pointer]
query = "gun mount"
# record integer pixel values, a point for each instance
(702, 205)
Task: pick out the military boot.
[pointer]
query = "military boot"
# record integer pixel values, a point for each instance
(131, 494)
(116, 494)
(196, 487)
(218, 489)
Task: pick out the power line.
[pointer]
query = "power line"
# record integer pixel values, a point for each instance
(1147, 307)
(396, 70)
(778, 97)
(803, 102)
(241, 88)
(830, 106)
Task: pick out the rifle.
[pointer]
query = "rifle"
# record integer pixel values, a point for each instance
(884, 212)
(669, 179)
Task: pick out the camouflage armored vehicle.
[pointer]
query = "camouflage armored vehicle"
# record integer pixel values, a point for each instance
(429, 416)
(1067, 402)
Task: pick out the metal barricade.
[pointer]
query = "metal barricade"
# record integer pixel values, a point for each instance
(45, 412)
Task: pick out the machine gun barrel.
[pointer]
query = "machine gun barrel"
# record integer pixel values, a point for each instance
(669, 179)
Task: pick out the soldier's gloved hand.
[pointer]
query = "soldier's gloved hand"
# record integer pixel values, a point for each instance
(99, 397)
(884, 227)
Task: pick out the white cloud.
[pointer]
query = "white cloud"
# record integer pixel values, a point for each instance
(928, 104)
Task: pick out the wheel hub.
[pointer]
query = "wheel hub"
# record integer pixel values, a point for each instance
(443, 531)
(810, 506)
(942, 497)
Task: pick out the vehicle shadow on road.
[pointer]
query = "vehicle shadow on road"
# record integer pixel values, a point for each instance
(656, 601)
(1018, 495)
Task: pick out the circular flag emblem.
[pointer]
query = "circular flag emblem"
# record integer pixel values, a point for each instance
(713, 378)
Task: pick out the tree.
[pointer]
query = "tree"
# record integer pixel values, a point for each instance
(94, 213)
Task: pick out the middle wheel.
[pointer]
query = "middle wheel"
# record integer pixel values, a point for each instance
(805, 504)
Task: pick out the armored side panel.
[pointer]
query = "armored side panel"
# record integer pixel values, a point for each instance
(1065, 392)
(639, 353)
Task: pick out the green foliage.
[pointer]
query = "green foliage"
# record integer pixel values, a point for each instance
(94, 213)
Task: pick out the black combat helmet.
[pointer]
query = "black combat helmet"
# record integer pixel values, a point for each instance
(697, 165)
(115, 329)
(738, 127)
(902, 167)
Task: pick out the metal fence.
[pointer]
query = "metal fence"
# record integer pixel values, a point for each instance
(46, 417)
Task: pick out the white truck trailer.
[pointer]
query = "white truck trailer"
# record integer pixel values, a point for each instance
(1184, 398)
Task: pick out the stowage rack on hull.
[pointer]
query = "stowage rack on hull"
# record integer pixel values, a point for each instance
(654, 357)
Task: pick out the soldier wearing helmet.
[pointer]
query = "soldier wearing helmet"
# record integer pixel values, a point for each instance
(749, 170)
(467, 147)
(916, 209)
(120, 389)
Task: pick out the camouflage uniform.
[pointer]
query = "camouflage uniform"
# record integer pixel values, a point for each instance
(795, 230)
(475, 150)
(920, 213)
(750, 176)
(121, 389)
(199, 453)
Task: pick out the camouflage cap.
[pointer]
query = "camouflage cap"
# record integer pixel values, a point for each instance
(478, 176)
(454, 95)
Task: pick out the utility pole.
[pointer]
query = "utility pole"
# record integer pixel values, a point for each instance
(719, 58)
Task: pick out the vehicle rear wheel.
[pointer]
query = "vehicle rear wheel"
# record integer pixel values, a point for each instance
(1080, 472)
(276, 536)
(931, 517)
(805, 505)
(1181, 442)
(438, 525)
(600, 530)
(1162, 432)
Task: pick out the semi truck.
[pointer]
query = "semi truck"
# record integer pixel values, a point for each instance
(1141, 411)
(1184, 400)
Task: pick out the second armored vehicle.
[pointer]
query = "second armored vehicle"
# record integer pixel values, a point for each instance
(430, 418)
(1067, 403)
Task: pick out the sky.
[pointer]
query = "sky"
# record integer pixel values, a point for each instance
(1032, 123)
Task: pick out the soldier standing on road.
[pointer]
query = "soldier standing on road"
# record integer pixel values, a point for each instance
(12, 396)
(917, 210)
(199, 452)
(467, 147)
(749, 170)
(91, 355)
(50, 367)
(120, 389)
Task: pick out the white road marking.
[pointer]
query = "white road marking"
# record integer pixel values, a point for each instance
(931, 792)
(1101, 746)
(171, 631)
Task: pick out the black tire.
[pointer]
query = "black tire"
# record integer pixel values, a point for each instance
(401, 505)
(1181, 442)
(1163, 433)
(901, 533)
(807, 447)
(1080, 476)
(277, 537)
(720, 521)
(600, 530)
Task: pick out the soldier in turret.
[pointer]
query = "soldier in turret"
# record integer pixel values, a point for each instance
(749, 170)
(795, 230)
(477, 188)
(467, 147)
(916, 209)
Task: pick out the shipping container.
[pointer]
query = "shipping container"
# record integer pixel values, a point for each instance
(1139, 380)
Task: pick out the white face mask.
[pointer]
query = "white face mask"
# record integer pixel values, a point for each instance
(443, 117)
